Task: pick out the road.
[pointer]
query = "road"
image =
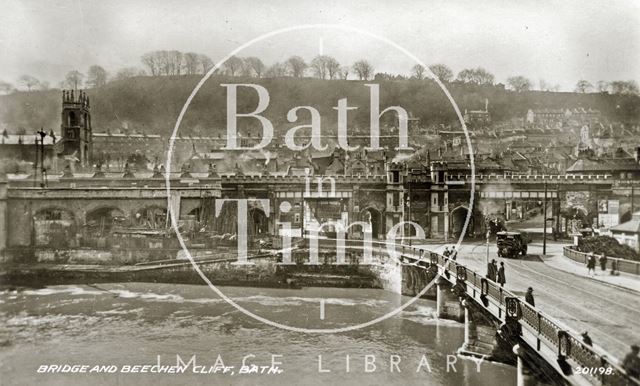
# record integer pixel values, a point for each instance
(610, 314)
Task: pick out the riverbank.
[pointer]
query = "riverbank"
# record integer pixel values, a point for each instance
(264, 272)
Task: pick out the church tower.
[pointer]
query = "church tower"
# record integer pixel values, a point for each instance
(75, 127)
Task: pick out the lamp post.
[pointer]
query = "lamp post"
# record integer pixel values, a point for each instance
(42, 134)
(544, 221)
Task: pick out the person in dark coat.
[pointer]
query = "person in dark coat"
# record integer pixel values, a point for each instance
(586, 339)
(501, 276)
(495, 270)
(446, 252)
(591, 263)
(603, 262)
(454, 253)
(491, 271)
(631, 362)
(529, 297)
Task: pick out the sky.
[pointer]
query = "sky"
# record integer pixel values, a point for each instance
(558, 41)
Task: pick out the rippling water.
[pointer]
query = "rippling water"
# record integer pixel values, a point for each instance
(136, 323)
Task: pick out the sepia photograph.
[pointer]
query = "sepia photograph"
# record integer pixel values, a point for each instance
(294, 192)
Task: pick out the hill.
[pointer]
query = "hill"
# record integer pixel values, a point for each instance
(152, 104)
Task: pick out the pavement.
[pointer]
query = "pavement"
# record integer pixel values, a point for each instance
(607, 307)
(623, 280)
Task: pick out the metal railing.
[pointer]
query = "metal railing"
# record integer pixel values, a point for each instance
(622, 265)
(556, 335)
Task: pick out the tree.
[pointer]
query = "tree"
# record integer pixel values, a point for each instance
(363, 68)
(205, 63)
(333, 67)
(519, 83)
(602, 86)
(74, 79)
(296, 66)
(150, 60)
(583, 86)
(442, 71)
(128, 72)
(28, 81)
(44, 85)
(191, 63)
(277, 70)
(344, 72)
(255, 65)
(624, 87)
(233, 65)
(96, 76)
(5, 87)
(478, 76)
(417, 71)
(324, 66)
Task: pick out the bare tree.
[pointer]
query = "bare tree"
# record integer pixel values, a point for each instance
(333, 67)
(96, 76)
(205, 63)
(478, 76)
(277, 70)
(255, 66)
(150, 60)
(28, 81)
(344, 72)
(233, 65)
(583, 86)
(602, 86)
(442, 71)
(519, 83)
(296, 66)
(44, 85)
(175, 62)
(191, 62)
(128, 72)
(324, 66)
(624, 87)
(417, 71)
(73, 79)
(5, 87)
(364, 69)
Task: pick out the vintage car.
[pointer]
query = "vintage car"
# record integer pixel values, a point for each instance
(511, 244)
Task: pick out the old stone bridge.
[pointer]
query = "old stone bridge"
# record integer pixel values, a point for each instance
(437, 201)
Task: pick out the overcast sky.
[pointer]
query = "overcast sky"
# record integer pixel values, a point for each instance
(559, 41)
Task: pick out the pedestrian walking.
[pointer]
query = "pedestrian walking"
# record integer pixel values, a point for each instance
(454, 253)
(495, 270)
(614, 267)
(501, 277)
(591, 264)
(529, 297)
(603, 262)
(446, 252)
(631, 362)
(586, 339)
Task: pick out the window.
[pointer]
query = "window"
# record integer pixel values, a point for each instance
(395, 176)
(396, 198)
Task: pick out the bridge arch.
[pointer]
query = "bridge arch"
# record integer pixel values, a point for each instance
(374, 216)
(103, 218)
(458, 217)
(151, 216)
(258, 224)
(54, 227)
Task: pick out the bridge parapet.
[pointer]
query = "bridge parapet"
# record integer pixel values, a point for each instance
(622, 265)
(556, 178)
(550, 338)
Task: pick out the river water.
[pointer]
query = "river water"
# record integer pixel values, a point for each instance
(148, 324)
